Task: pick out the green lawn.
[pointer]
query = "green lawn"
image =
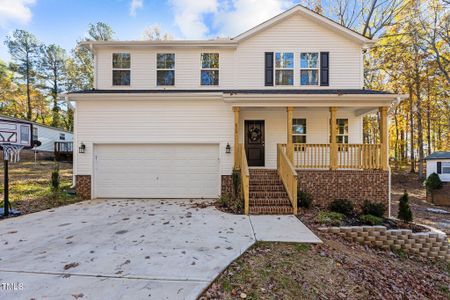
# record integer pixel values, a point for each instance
(30, 186)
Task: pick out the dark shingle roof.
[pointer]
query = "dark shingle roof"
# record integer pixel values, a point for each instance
(243, 91)
(438, 155)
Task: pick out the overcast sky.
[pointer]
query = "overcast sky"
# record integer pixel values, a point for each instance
(63, 22)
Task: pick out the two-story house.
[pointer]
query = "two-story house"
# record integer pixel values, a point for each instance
(282, 103)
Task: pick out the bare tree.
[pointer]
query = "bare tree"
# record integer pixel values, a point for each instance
(153, 33)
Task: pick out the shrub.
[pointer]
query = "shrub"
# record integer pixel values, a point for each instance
(304, 199)
(236, 180)
(230, 203)
(330, 218)
(55, 178)
(371, 220)
(433, 182)
(342, 206)
(373, 208)
(404, 211)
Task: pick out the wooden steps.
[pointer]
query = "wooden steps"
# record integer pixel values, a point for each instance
(267, 193)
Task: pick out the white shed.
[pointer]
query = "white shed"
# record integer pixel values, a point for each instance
(47, 135)
(439, 162)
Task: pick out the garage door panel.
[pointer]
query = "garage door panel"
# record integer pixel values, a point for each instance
(157, 171)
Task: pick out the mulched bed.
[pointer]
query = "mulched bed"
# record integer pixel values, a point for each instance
(310, 216)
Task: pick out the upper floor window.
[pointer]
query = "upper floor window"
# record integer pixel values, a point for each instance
(299, 131)
(309, 68)
(284, 68)
(210, 69)
(121, 68)
(165, 69)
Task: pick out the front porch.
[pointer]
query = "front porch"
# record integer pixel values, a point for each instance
(298, 140)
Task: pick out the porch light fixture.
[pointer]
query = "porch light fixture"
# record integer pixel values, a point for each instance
(82, 148)
(228, 148)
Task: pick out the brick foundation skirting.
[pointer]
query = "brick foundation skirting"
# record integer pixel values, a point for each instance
(83, 186)
(354, 185)
(427, 244)
(226, 184)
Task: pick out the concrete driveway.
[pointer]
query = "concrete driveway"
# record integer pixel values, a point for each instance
(125, 249)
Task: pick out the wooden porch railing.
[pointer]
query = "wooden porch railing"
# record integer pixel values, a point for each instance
(349, 156)
(245, 177)
(312, 156)
(288, 175)
(359, 156)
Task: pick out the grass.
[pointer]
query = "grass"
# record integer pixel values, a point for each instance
(30, 189)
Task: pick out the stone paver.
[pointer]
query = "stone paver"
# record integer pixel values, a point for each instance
(134, 249)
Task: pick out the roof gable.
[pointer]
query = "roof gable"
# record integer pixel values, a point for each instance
(305, 12)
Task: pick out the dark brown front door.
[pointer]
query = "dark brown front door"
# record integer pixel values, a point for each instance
(254, 143)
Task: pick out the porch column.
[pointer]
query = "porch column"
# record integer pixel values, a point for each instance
(383, 138)
(236, 137)
(289, 145)
(333, 145)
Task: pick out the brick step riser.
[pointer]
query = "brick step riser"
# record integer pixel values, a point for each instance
(266, 188)
(269, 202)
(266, 181)
(270, 210)
(268, 195)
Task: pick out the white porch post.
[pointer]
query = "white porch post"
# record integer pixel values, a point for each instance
(333, 145)
(383, 138)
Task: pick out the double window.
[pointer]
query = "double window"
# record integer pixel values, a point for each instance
(121, 68)
(309, 68)
(209, 74)
(165, 69)
(299, 131)
(284, 68)
(342, 131)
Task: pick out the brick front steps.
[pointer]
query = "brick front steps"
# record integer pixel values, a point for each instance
(267, 193)
(427, 244)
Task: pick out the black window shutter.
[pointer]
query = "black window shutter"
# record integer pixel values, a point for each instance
(324, 69)
(439, 167)
(268, 71)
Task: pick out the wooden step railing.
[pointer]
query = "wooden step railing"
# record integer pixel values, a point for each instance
(349, 156)
(288, 175)
(245, 177)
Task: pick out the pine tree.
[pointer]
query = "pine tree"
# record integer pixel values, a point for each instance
(404, 211)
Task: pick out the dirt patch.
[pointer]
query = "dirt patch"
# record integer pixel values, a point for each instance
(404, 181)
(336, 269)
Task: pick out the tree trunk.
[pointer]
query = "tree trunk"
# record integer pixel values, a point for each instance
(27, 79)
(411, 128)
(396, 137)
(419, 120)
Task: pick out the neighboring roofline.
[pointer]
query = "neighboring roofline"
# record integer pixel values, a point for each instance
(309, 13)
(433, 156)
(34, 123)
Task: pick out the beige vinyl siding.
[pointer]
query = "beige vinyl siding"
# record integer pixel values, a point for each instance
(243, 67)
(153, 122)
(298, 34)
(143, 68)
(317, 120)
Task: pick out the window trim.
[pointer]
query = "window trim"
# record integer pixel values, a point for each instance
(210, 69)
(300, 134)
(445, 165)
(337, 131)
(165, 69)
(275, 68)
(309, 69)
(119, 69)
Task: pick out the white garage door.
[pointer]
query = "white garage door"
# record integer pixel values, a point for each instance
(156, 171)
